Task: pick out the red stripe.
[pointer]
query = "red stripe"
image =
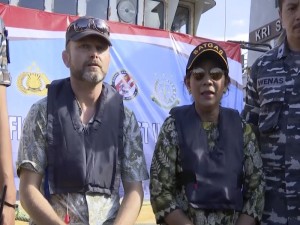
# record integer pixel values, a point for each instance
(19, 17)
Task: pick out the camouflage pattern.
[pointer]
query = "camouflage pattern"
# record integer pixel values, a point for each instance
(3, 56)
(273, 106)
(4, 74)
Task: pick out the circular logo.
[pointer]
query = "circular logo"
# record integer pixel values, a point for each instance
(165, 93)
(33, 83)
(125, 85)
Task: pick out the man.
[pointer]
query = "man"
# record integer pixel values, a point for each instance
(81, 140)
(6, 168)
(272, 105)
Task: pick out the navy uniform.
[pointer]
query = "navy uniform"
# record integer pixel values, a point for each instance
(5, 78)
(273, 106)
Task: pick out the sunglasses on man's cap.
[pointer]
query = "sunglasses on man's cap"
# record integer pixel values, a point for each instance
(85, 26)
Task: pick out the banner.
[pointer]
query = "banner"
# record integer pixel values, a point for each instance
(147, 67)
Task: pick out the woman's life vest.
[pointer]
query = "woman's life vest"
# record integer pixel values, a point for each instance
(212, 179)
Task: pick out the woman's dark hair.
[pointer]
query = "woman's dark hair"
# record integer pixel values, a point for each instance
(280, 4)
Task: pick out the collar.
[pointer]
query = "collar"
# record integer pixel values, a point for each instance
(283, 50)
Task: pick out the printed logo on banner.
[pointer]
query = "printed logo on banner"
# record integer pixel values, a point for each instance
(33, 82)
(165, 93)
(125, 85)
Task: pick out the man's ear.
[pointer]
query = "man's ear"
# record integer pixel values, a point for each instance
(66, 58)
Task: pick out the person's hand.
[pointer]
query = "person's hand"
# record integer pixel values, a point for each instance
(246, 220)
(8, 216)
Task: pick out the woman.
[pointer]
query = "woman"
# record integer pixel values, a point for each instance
(206, 167)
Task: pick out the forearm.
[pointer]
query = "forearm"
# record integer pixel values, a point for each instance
(37, 207)
(163, 177)
(177, 217)
(34, 203)
(7, 178)
(6, 168)
(130, 206)
(246, 220)
(254, 183)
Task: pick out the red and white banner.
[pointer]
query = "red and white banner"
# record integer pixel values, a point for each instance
(147, 66)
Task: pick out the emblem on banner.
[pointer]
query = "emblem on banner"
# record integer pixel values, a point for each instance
(125, 85)
(33, 82)
(165, 93)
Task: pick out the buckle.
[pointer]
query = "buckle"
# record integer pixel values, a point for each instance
(5, 78)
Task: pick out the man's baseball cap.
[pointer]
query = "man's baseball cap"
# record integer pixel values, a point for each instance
(207, 49)
(86, 26)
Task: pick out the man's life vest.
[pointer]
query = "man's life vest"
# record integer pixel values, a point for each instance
(83, 158)
(212, 179)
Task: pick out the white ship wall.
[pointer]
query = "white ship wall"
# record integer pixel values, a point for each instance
(263, 18)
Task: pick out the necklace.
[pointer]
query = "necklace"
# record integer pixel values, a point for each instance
(79, 107)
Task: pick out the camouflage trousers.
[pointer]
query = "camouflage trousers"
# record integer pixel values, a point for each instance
(276, 210)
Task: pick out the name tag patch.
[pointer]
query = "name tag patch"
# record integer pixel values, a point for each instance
(270, 81)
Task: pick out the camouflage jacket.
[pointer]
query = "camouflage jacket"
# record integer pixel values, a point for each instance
(5, 78)
(273, 106)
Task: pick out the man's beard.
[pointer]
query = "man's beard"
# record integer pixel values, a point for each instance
(93, 77)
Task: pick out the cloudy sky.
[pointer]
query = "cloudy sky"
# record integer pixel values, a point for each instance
(228, 20)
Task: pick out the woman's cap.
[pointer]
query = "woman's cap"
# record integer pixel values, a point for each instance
(207, 48)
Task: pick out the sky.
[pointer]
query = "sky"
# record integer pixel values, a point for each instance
(227, 20)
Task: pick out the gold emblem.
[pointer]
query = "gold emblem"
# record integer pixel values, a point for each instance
(33, 82)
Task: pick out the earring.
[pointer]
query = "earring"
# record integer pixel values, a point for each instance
(189, 90)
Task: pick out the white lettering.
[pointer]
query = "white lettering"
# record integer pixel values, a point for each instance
(262, 33)
(265, 32)
(155, 129)
(144, 129)
(257, 35)
(15, 124)
(278, 26)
